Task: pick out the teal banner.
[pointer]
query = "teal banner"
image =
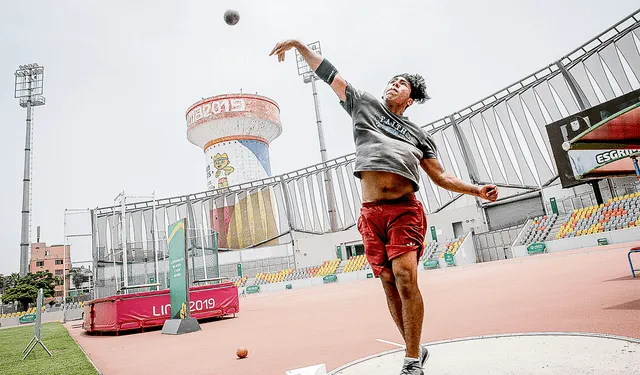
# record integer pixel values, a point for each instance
(330, 279)
(449, 259)
(536, 248)
(253, 289)
(430, 264)
(178, 271)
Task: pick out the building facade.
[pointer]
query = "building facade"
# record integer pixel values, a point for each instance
(51, 259)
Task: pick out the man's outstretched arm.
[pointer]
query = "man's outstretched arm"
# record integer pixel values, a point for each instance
(316, 62)
(452, 183)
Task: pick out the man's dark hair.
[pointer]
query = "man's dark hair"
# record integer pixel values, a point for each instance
(418, 87)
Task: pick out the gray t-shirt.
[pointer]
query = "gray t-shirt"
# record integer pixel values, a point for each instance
(385, 141)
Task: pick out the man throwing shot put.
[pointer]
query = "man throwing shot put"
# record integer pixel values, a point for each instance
(390, 150)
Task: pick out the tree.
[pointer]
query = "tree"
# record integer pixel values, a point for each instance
(25, 289)
(42, 279)
(77, 278)
(23, 293)
(11, 280)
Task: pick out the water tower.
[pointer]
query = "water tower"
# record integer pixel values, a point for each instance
(235, 131)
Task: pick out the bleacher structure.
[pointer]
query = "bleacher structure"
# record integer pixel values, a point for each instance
(356, 263)
(32, 310)
(239, 281)
(353, 264)
(538, 229)
(327, 268)
(618, 213)
(430, 251)
(452, 247)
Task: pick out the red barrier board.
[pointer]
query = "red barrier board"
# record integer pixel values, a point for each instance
(150, 309)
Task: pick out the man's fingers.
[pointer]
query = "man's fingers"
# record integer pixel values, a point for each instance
(491, 193)
(275, 49)
(278, 51)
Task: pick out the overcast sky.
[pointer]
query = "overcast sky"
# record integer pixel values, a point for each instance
(119, 77)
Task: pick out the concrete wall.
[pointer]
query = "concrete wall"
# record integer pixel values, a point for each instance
(614, 237)
(463, 210)
(312, 250)
(466, 253)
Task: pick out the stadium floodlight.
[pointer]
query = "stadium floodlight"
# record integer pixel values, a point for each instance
(28, 89)
(309, 76)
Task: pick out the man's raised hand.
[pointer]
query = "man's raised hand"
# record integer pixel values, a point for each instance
(283, 47)
(489, 192)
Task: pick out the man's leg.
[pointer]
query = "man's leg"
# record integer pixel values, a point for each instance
(393, 299)
(405, 272)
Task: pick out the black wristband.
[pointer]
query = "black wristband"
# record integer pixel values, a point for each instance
(326, 71)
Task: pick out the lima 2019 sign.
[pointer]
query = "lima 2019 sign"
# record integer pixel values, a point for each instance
(215, 107)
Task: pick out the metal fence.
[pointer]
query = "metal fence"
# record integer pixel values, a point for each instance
(147, 263)
(253, 267)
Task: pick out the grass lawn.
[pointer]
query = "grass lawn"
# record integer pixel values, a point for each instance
(67, 358)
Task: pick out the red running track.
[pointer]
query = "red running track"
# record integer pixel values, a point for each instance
(575, 291)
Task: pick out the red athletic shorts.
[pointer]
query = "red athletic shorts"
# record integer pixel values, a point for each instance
(391, 228)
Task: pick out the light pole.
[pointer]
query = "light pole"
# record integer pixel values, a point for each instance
(309, 76)
(28, 89)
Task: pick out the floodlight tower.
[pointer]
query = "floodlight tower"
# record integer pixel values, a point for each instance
(309, 76)
(28, 89)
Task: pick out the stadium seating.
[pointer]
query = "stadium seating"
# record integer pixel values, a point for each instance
(618, 213)
(429, 250)
(239, 281)
(452, 247)
(327, 268)
(538, 229)
(19, 314)
(275, 277)
(356, 263)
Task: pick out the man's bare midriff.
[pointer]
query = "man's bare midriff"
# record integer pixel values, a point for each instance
(377, 186)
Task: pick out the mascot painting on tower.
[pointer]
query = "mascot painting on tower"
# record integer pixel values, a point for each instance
(235, 131)
(223, 169)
